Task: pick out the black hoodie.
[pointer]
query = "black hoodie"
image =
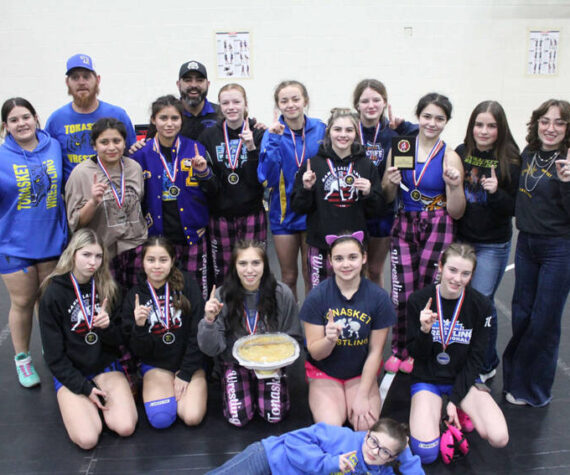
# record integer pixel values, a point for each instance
(333, 204)
(69, 357)
(244, 197)
(183, 354)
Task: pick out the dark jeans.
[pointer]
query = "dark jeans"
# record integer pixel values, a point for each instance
(542, 283)
(251, 461)
(491, 262)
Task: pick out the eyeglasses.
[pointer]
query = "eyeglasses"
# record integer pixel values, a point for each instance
(558, 123)
(377, 449)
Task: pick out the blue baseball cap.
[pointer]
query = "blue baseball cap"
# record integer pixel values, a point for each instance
(79, 61)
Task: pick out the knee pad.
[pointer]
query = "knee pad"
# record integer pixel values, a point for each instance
(161, 413)
(426, 451)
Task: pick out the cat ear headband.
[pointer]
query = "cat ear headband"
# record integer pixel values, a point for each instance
(331, 238)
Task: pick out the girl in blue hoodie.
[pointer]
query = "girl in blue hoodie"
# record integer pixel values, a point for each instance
(325, 449)
(292, 138)
(33, 228)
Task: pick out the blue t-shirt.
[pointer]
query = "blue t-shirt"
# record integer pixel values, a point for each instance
(73, 132)
(368, 309)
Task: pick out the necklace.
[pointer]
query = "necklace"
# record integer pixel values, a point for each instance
(534, 164)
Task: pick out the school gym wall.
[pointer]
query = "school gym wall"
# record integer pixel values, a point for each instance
(471, 50)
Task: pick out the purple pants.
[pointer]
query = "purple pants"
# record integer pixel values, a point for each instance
(224, 232)
(318, 265)
(243, 393)
(418, 239)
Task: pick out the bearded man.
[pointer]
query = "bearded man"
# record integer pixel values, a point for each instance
(71, 124)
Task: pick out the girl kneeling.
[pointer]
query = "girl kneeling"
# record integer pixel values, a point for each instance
(346, 321)
(251, 301)
(160, 316)
(80, 341)
(448, 331)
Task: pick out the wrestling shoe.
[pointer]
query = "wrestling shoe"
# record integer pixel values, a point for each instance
(513, 400)
(26, 372)
(465, 421)
(392, 365)
(484, 377)
(407, 365)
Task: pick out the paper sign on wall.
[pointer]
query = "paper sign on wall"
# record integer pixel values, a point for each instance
(233, 54)
(543, 52)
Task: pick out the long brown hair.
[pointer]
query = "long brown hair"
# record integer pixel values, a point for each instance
(505, 148)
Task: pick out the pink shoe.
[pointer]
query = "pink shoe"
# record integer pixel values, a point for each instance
(465, 421)
(392, 364)
(407, 365)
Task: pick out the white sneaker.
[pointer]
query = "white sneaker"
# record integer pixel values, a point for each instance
(513, 400)
(484, 377)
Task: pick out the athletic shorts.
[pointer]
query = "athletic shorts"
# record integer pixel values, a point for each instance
(312, 372)
(437, 389)
(11, 264)
(114, 366)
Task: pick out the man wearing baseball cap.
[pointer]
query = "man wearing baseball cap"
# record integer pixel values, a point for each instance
(199, 114)
(71, 124)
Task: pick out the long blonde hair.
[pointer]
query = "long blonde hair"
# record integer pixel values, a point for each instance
(106, 285)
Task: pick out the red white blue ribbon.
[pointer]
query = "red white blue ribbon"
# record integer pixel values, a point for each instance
(434, 151)
(119, 196)
(156, 148)
(163, 312)
(362, 134)
(88, 315)
(333, 169)
(446, 338)
(299, 162)
(232, 160)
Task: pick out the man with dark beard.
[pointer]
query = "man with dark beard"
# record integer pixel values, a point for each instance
(199, 114)
(71, 124)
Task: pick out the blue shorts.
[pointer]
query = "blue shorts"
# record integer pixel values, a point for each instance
(114, 366)
(11, 264)
(437, 389)
(278, 229)
(145, 367)
(380, 227)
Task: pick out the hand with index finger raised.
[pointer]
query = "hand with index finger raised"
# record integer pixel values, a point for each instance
(213, 307)
(141, 312)
(309, 177)
(199, 163)
(97, 190)
(277, 127)
(427, 317)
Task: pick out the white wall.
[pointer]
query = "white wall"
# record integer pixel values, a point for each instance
(471, 50)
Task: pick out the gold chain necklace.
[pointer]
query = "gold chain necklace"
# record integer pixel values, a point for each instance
(533, 166)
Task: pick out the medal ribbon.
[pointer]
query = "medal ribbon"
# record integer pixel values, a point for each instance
(445, 338)
(246, 315)
(119, 197)
(333, 169)
(164, 314)
(232, 160)
(88, 316)
(299, 162)
(434, 151)
(361, 130)
(156, 147)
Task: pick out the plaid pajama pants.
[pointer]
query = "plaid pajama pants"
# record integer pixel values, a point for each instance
(125, 268)
(418, 239)
(243, 393)
(224, 232)
(318, 265)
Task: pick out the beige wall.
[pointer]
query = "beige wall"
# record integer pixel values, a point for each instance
(470, 50)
